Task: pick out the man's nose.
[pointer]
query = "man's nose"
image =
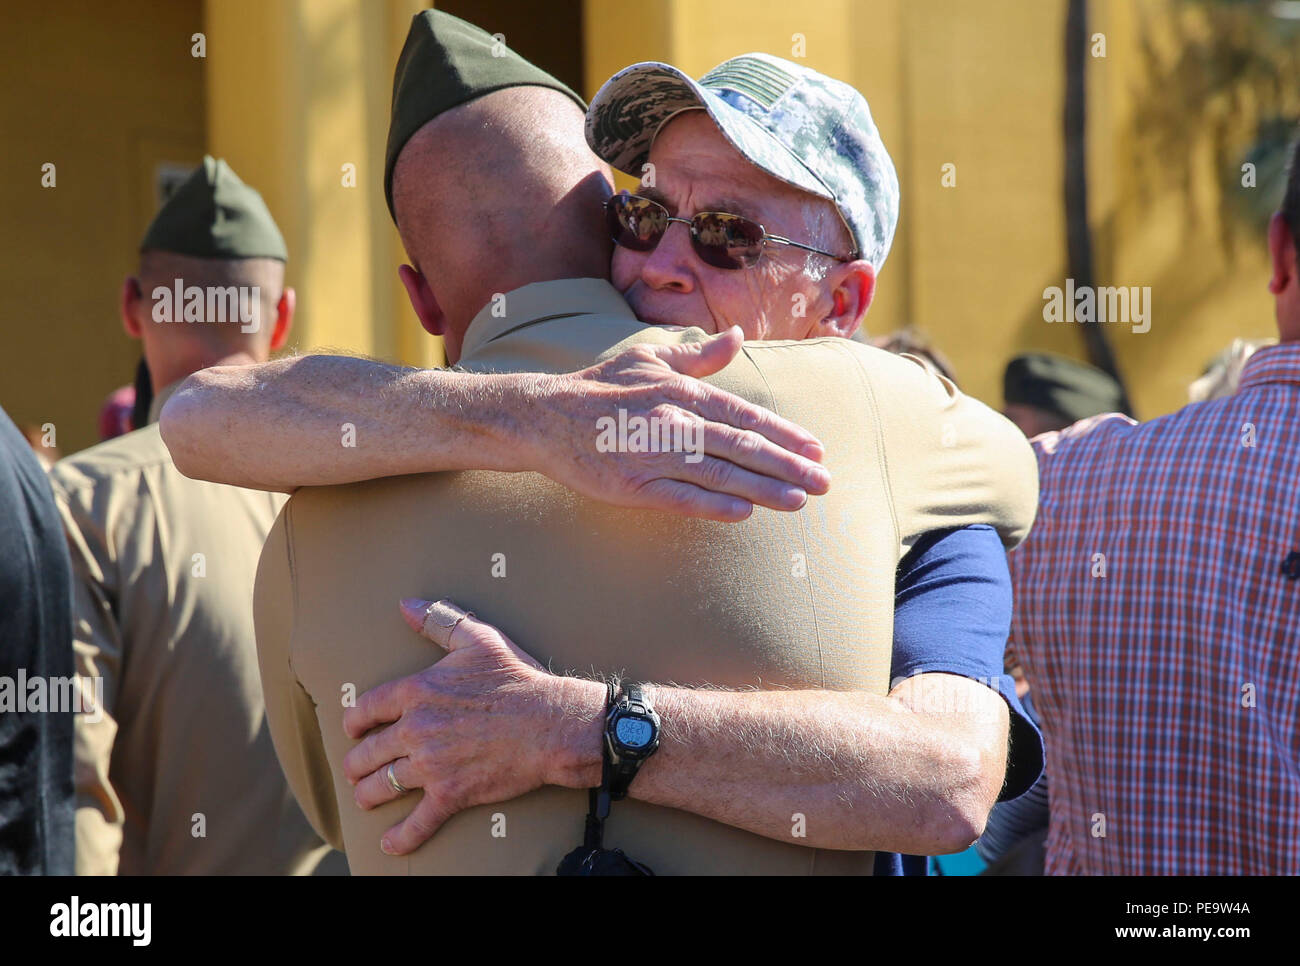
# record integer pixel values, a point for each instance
(669, 265)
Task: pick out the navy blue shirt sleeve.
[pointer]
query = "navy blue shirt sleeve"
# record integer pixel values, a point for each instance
(952, 613)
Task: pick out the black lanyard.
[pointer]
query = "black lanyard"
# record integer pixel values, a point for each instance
(591, 857)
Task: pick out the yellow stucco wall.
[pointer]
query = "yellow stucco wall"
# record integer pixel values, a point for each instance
(1160, 173)
(297, 90)
(104, 91)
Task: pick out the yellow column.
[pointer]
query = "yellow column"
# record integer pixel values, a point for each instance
(298, 97)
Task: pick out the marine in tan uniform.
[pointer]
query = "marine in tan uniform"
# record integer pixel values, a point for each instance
(176, 772)
(801, 601)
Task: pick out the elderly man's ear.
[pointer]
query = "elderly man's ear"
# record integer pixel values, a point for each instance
(852, 287)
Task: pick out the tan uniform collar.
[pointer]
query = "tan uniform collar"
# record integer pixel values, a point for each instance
(541, 301)
(160, 399)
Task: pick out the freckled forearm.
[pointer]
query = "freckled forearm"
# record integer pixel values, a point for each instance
(862, 770)
(321, 420)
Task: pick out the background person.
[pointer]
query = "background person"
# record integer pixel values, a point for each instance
(916, 343)
(179, 774)
(1223, 374)
(1158, 609)
(36, 794)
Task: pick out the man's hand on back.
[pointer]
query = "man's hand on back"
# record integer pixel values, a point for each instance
(724, 455)
(329, 420)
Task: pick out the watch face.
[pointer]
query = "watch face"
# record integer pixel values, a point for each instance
(633, 732)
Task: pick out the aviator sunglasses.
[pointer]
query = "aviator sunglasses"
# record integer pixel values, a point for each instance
(720, 239)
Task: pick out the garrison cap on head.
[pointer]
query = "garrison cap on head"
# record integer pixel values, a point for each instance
(797, 125)
(215, 215)
(1069, 389)
(447, 62)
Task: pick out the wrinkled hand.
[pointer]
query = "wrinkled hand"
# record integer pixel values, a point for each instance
(480, 726)
(740, 453)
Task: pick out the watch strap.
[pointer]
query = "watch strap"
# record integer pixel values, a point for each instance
(621, 772)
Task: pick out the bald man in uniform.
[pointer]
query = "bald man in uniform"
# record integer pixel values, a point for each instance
(176, 773)
(793, 612)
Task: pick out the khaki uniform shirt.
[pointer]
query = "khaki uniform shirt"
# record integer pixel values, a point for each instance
(783, 600)
(178, 774)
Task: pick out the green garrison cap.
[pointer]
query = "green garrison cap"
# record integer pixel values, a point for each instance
(215, 215)
(447, 62)
(1071, 390)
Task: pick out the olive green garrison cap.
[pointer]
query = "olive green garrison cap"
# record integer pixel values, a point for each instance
(1069, 389)
(215, 215)
(447, 62)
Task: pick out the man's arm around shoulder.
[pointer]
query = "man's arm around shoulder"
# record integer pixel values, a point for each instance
(323, 420)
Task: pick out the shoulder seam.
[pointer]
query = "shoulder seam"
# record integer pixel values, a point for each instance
(803, 531)
(93, 471)
(886, 476)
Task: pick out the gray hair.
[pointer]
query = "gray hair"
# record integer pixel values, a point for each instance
(1222, 375)
(825, 230)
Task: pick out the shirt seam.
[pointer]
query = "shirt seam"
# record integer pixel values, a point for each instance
(293, 595)
(803, 532)
(93, 475)
(528, 323)
(882, 452)
(803, 543)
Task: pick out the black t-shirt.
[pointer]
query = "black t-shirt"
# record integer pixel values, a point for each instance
(37, 804)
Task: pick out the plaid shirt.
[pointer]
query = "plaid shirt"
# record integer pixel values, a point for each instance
(1158, 622)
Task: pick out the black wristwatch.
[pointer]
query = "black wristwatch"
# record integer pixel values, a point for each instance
(631, 736)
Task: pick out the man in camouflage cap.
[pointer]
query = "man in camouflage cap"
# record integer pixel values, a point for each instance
(803, 128)
(803, 152)
(1043, 392)
(175, 771)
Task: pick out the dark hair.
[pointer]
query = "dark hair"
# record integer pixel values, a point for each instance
(143, 396)
(916, 343)
(1291, 200)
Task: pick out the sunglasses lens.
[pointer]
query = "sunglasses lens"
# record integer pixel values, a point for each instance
(635, 223)
(726, 241)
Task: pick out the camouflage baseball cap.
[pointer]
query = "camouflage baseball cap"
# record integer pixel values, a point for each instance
(797, 125)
